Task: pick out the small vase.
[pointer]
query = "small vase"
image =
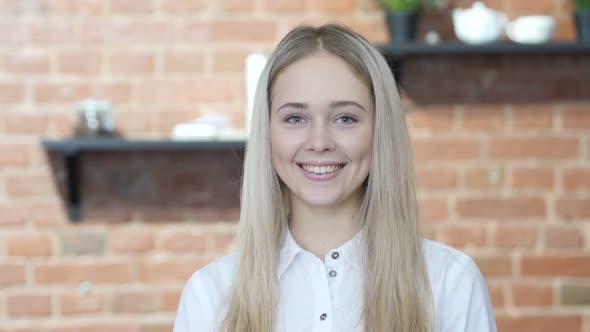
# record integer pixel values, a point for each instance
(402, 26)
(582, 18)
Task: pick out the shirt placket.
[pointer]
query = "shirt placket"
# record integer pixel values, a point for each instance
(323, 311)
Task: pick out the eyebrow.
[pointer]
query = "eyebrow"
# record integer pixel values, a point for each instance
(333, 104)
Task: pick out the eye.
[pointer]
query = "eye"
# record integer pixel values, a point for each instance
(346, 119)
(294, 119)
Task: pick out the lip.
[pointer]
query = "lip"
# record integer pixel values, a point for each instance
(321, 177)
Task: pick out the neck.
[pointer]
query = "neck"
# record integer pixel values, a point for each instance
(318, 229)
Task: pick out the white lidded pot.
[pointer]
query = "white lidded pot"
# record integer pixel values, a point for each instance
(534, 29)
(478, 24)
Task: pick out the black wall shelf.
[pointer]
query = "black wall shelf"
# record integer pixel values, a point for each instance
(496, 48)
(396, 54)
(73, 148)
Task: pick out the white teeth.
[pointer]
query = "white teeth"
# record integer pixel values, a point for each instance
(321, 169)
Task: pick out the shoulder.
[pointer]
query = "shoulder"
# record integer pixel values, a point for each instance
(440, 256)
(205, 296)
(460, 292)
(448, 266)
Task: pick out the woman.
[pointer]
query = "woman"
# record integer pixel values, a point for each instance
(328, 237)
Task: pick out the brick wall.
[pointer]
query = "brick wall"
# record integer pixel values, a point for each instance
(506, 182)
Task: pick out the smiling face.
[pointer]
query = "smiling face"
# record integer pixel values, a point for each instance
(321, 130)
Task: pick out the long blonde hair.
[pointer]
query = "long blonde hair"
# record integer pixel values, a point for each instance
(397, 293)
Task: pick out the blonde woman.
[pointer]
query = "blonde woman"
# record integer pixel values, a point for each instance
(328, 237)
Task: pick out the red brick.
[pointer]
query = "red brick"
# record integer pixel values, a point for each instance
(501, 208)
(67, 273)
(28, 62)
(234, 31)
(92, 327)
(515, 237)
(61, 92)
(484, 178)
(184, 62)
(463, 236)
(11, 93)
(544, 148)
(544, 323)
(230, 60)
(497, 296)
(433, 118)
(21, 7)
(79, 63)
(483, 118)
(565, 27)
(204, 90)
(576, 179)
(63, 123)
(224, 241)
(563, 237)
(54, 32)
(169, 300)
(76, 304)
(133, 302)
(331, 6)
(374, 31)
(29, 245)
(131, 241)
(28, 305)
(13, 33)
(19, 123)
(426, 150)
(283, 6)
(168, 270)
(132, 63)
(137, 122)
(533, 178)
(433, 210)
(185, 7)
(128, 31)
(532, 295)
(26, 186)
(494, 265)
(77, 7)
(536, 116)
(14, 155)
(556, 266)
(166, 121)
(183, 240)
(48, 214)
(436, 179)
(131, 6)
(241, 6)
(116, 92)
(12, 274)
(532, 7)
(573, 208)
(12, 216)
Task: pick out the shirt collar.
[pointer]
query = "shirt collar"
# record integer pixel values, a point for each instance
(350, 251)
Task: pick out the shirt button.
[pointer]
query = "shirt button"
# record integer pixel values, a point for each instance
(335, 255)
(332, 274)
(323, 316)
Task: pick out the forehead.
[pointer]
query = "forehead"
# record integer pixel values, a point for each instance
(319, 78)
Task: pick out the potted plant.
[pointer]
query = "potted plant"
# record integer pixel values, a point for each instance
(401, 18)
(582, 19)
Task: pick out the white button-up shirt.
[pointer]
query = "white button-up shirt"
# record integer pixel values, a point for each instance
(318, 296)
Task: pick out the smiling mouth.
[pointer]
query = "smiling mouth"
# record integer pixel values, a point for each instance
(321, 169)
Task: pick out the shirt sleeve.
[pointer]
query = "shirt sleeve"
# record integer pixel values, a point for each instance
(467, 306)
(194, 315)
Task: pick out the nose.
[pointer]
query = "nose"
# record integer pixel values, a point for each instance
(320, 139)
